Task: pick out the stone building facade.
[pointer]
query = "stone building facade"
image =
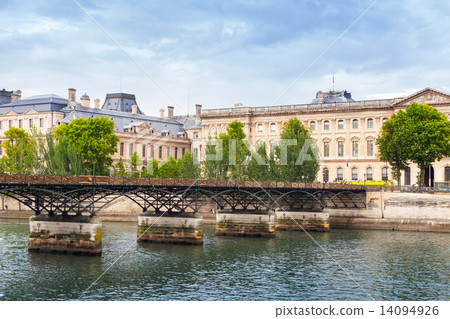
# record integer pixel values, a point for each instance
(344, 131)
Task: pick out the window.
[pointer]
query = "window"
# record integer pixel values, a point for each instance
(121, 149)
(326, 175)
(130, 149)
(272, 127)
(1, 150)
(369, 174)
(176, 152)
(1, 125)
(152, 151)
(340, 174)
(340, 125)
(370, 123)
(260, 128)
(355, 148)
(30, 123)
(312, 125)
(160, 152)
(354, 174)
(195, 134)
(143, 151)
(355, 123)
(326, 149)
(195, 153)
(340, 149)
(168, 151)
(369, 148)
(20, 123)
(182, 151)
(326, 125)
(10, 122)
(447, 174)
(408, 176)
(41, 122)
(384, 174)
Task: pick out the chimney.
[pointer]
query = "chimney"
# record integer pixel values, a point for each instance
(170, 112)
(161, 113)
(85, 100)
(198, 111)
(17, 95)
(72, 97)
(97, 103)
(134, 109)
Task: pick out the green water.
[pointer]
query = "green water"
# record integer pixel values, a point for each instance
(388, 265)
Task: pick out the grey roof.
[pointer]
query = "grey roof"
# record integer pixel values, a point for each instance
(5, 96)
(121, 102)
(123, 120)
(333, 96)
(38, 103)
(189, 122)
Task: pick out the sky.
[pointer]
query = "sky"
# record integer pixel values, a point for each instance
(219, 53)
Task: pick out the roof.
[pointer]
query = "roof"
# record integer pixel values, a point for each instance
(332, 96)
(38, 103)
(189, 122)
(121, 102)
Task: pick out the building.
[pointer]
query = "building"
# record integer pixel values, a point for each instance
(344, 131)
(149, 136)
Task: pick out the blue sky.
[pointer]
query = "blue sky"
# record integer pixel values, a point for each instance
(224, 52)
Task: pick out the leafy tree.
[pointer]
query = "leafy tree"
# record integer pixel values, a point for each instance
(119, 168)
(60, 158)
(168, 168)
(94, 139)
(151, 169)
(186, 166)
(21, 152)
(135, 162)
(211, 166)
(297, 154)
(421, 134)
(257, 168)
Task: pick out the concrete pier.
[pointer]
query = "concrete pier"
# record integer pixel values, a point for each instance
(311, 221)
(170, 228)
(241, 223)
(66, 234)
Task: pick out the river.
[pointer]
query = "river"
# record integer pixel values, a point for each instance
(382, 265)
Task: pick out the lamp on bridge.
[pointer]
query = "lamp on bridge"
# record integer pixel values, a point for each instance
(39, 164)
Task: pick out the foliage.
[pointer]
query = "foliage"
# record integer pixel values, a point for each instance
(135, 162)
(21, 152)
(151, 169)
(258, 168)
(94, 139)
(186, 166)
(168, 168)
(297, 154)
(119, 168)
(421, 134)
(211, 165)
(60, 158)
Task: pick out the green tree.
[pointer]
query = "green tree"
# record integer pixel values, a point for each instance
(168, 168)
(135, 162)
(119, 168)
(151, 169)
(60, 158)
(257, 168)
(21, 152)
(420, 133)
(296, 153)
(186, 166)
(94, 139)
(211, 166)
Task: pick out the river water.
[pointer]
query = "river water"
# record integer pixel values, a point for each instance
(382, 265)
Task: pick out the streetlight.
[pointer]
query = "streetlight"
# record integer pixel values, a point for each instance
(268, 174)
(39, 164)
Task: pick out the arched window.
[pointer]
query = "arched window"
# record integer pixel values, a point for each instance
(340, 174)
(340, 125)
(369, 175)
(272, 127)
(355, 123)
(326, 125)
(408, 176)
(340, 148)
(312, 125)
(354, 174)
(369, 123)
(326, 149)
(260, 128)
(369, 147)
(384, 174)
(447, 174)
(326, 175)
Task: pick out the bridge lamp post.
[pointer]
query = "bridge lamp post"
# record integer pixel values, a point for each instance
(39, 164)
(268, 174)
(196, 186)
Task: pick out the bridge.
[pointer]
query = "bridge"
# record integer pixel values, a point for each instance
(87, 195)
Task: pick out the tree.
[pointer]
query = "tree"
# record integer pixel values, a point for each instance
(257, 168)
(60, 158)
(421, 134)
(296, 153)
(135, 162)
(94, 139)
(151, 169)
(168, 168)
(186, 166)
(21, 152)
(211, 166)
(119, 168)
